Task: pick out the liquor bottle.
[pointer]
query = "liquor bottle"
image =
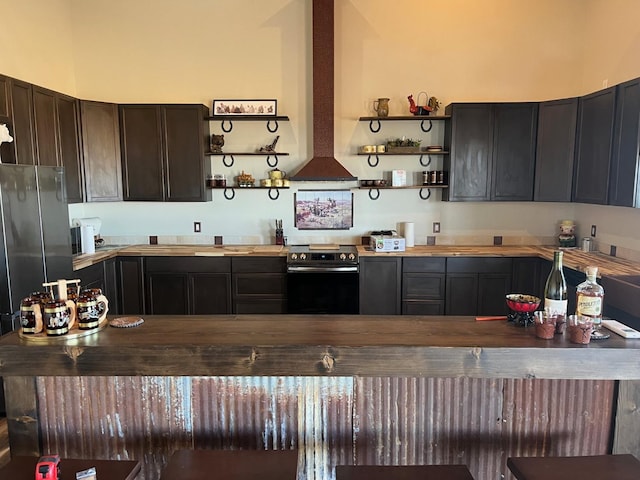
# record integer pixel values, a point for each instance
(590, 297)
(555, 291)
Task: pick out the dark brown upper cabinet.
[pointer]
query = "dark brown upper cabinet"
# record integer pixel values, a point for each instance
(555, 150)
(101, 151)
(514, 151)
(492, 151)
(67, 110)
(163, 152)
(22, 117)
(593, 147)
(45, 126)
(5, 105)
(625, 161)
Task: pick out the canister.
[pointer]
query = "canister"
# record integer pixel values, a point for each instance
(587, 243)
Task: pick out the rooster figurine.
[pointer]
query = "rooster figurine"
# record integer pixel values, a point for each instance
(413, 108)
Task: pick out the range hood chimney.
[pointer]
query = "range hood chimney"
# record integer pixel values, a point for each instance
(323, 166)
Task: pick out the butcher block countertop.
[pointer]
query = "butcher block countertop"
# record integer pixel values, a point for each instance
(573, 258)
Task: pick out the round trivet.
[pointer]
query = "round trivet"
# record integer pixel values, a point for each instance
(126, 322)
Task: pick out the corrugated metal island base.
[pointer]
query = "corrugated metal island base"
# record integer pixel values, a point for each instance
(344, 390)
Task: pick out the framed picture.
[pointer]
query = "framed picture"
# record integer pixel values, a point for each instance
(239, 108)
(323, 209)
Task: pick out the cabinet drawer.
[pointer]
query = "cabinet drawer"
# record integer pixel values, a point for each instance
(188, 264)
(258, 265)
(479, 265)
(430, 307)
(271, 284)
(420, 285)
(422, 264)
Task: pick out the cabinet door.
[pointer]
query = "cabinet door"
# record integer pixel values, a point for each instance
(492, 289)
(555, 150)
(91, 276)
(595, 135)
(380, 282)
(69, 141)
(625, 168)
(45, 127)
(101, 151)
(6, 148)
(21, 106)
(167, 293)
(461, 294)
(526, 276)
(210, 293)
(141, 144)
(5, 96)
(130, 286)
(470, 134)
(110, 288)
(514, 147)
(184, 159)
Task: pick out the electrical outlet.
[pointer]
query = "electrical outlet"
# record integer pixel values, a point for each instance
(196, 227)
(593, 230)
(436, 227)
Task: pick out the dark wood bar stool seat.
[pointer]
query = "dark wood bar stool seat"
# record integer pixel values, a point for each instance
(403, 472)
(232, 465)
(598, 467)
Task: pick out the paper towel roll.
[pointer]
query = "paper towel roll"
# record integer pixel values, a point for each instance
(86, 237)
(408, 229)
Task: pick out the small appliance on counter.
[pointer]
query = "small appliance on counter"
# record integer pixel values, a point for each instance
(88, 231)
(386, 241)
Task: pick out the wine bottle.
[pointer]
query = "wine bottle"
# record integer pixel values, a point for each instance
(590, 297)
(555, 293)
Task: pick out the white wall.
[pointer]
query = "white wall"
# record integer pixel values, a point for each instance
(459, 50)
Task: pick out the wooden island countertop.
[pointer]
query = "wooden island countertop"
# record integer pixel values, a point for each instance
(325, 345)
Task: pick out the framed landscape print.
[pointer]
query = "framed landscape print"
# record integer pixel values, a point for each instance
(323, 209)
(239, 108)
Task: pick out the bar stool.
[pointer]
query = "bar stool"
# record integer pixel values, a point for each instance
(232, 465)
(598, 467)
(403, 472)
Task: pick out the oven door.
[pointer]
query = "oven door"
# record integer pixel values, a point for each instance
(323, 290)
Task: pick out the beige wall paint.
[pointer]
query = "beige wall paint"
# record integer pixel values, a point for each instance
(459, 50)
(38, 44)
(611, 43)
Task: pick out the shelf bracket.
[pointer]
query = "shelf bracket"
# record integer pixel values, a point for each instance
(226, 130)
(428, 162)
(372, 128)
(274, 196)
(428, 193)
(275, 163)
(373, 164)
(371, 196)
(229, 196)
(273, 129)
(224, 161)
(428, 129)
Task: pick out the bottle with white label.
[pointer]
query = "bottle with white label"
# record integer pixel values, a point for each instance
(555, 293)
(590, 297)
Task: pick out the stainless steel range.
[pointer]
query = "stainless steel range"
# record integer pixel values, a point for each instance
(323, 279)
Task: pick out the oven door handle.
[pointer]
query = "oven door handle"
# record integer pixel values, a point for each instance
(309, 269)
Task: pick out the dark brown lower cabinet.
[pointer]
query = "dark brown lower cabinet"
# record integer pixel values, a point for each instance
(380, 285)
(423, 286)
(187, 285)
(130, 275)
(103, 276)
(528, 276)
(477, 285)
(259, 285)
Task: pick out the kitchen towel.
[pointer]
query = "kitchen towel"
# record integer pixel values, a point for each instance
(409, 234)
(87, 239)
